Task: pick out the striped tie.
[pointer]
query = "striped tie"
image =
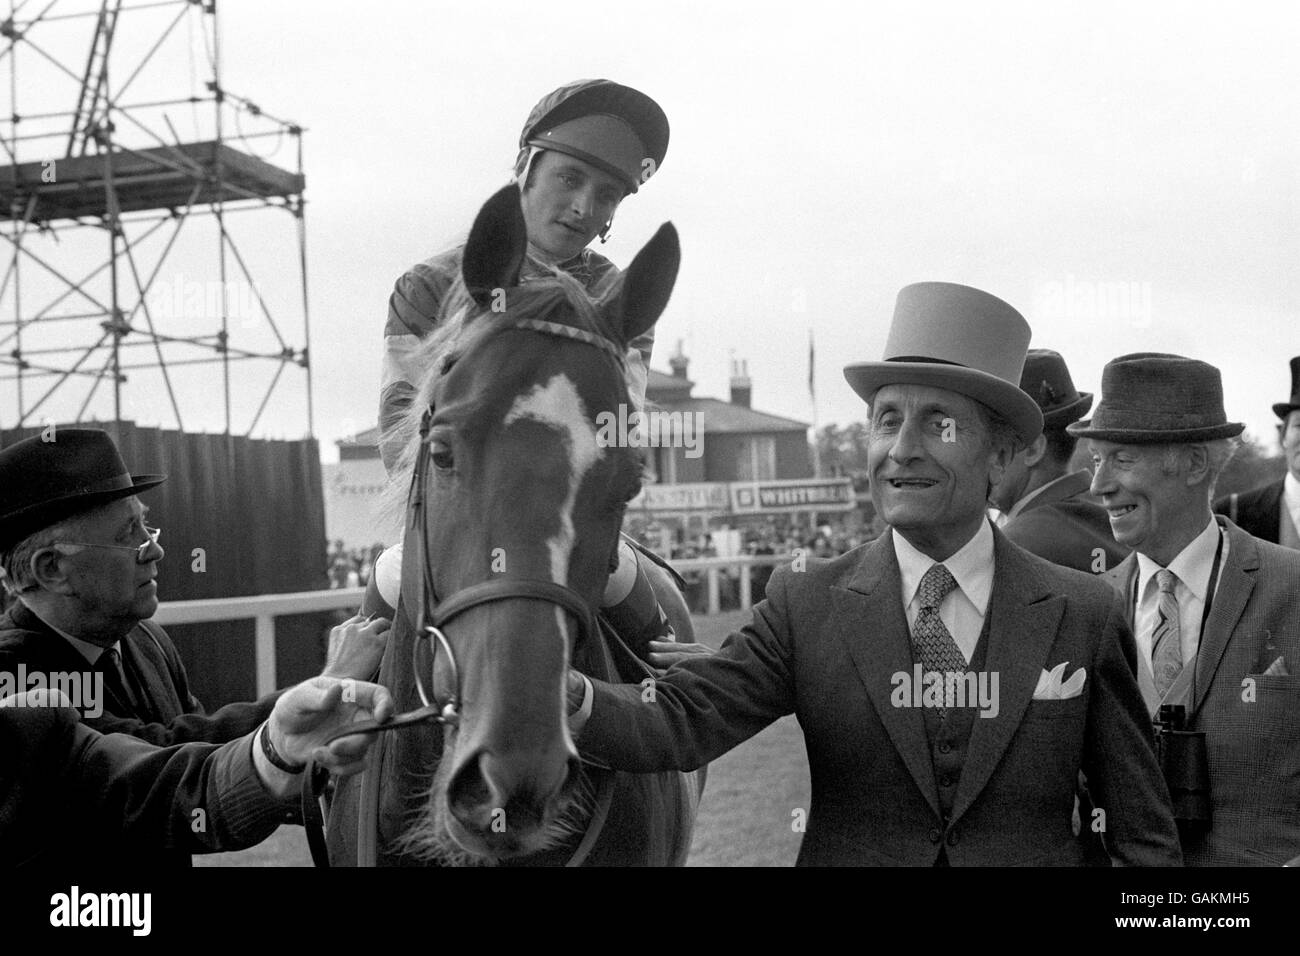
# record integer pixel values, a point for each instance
(1166, 639)
(932, 644)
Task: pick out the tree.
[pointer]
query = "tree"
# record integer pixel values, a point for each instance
(843, 451)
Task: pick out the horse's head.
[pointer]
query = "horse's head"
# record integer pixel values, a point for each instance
(516, 483)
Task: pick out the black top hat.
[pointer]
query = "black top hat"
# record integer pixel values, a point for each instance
(1156, 398)
(42, 482)
(1046, 380)
(1283, 409)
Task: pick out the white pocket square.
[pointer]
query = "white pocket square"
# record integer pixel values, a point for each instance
(1052, 687)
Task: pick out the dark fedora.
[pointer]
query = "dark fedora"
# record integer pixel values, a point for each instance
(1156, 398)
(1046, 380)
(42, 482)
(1283, 409)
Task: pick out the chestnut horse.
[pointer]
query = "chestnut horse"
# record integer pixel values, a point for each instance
(513, 507)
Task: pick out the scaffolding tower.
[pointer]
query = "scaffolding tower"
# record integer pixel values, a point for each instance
(113, 172)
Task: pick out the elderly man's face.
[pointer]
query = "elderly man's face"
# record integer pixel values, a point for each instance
(567, 203)
(1152, 509)
(111, 584)
(1290, 436)
(931, 463)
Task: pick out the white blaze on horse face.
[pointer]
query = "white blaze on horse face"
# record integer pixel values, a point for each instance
(558, 405)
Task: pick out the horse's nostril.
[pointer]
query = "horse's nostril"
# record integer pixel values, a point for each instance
(492, 795)
(468, 792)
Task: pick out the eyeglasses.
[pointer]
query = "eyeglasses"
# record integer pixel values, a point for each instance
(141, 550)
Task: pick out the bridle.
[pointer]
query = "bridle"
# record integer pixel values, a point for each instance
(430, 620)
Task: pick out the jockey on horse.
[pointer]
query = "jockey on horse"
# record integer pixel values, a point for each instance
(584, 147)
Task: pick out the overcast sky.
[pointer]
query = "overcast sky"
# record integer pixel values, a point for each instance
(1128, 178)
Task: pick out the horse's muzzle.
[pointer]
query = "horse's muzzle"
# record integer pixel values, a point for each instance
(503, 805)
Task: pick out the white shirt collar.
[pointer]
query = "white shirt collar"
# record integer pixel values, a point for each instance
(1192, 566)
(971, 567)
(1291, 497)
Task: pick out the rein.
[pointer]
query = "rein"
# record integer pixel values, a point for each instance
(429, 624)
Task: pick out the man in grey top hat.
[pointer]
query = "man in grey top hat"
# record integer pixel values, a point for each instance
(1048, 508)
(1273, 511)
(1215, 611)
(950, 685)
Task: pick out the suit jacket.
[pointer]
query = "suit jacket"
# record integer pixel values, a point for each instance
(72, 797)
(169, 714)
(1251, 721)
(1258, 511)
(825, 645)
(1066, 525)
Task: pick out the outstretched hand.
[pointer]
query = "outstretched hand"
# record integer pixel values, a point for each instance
(306, 716)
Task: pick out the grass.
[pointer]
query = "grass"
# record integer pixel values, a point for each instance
(746, 815)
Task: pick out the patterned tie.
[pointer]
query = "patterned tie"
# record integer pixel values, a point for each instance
(1166, 638)
(932, 643)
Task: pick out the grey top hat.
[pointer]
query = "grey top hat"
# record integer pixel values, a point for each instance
(1156, 398)
(959, 338)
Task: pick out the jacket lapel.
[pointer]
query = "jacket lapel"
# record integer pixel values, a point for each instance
(1121, 578)
(1025, 618)
(868, 617)
(1236, 582)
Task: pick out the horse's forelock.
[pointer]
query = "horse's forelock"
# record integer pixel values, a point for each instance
(461, 324)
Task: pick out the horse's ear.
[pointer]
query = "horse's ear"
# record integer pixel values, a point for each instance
(497, 243)
(648, 282)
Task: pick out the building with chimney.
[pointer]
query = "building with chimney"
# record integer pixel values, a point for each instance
(739, 443)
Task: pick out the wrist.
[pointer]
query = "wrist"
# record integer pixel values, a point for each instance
(273, 754)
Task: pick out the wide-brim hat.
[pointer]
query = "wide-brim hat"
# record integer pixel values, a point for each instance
(1157, 398)
(611, 126)
(959, 338)
(1283, 409)
(1046, 379)
(60, 473)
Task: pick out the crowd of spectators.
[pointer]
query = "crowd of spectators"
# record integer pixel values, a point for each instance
(351, 567)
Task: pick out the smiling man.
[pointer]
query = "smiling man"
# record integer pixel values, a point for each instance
(1215, 611)
(931, 778)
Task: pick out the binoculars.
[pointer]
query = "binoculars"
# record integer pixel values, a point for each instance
(1186, 768)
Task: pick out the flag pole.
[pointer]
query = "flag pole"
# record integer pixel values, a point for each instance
(812, 395)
